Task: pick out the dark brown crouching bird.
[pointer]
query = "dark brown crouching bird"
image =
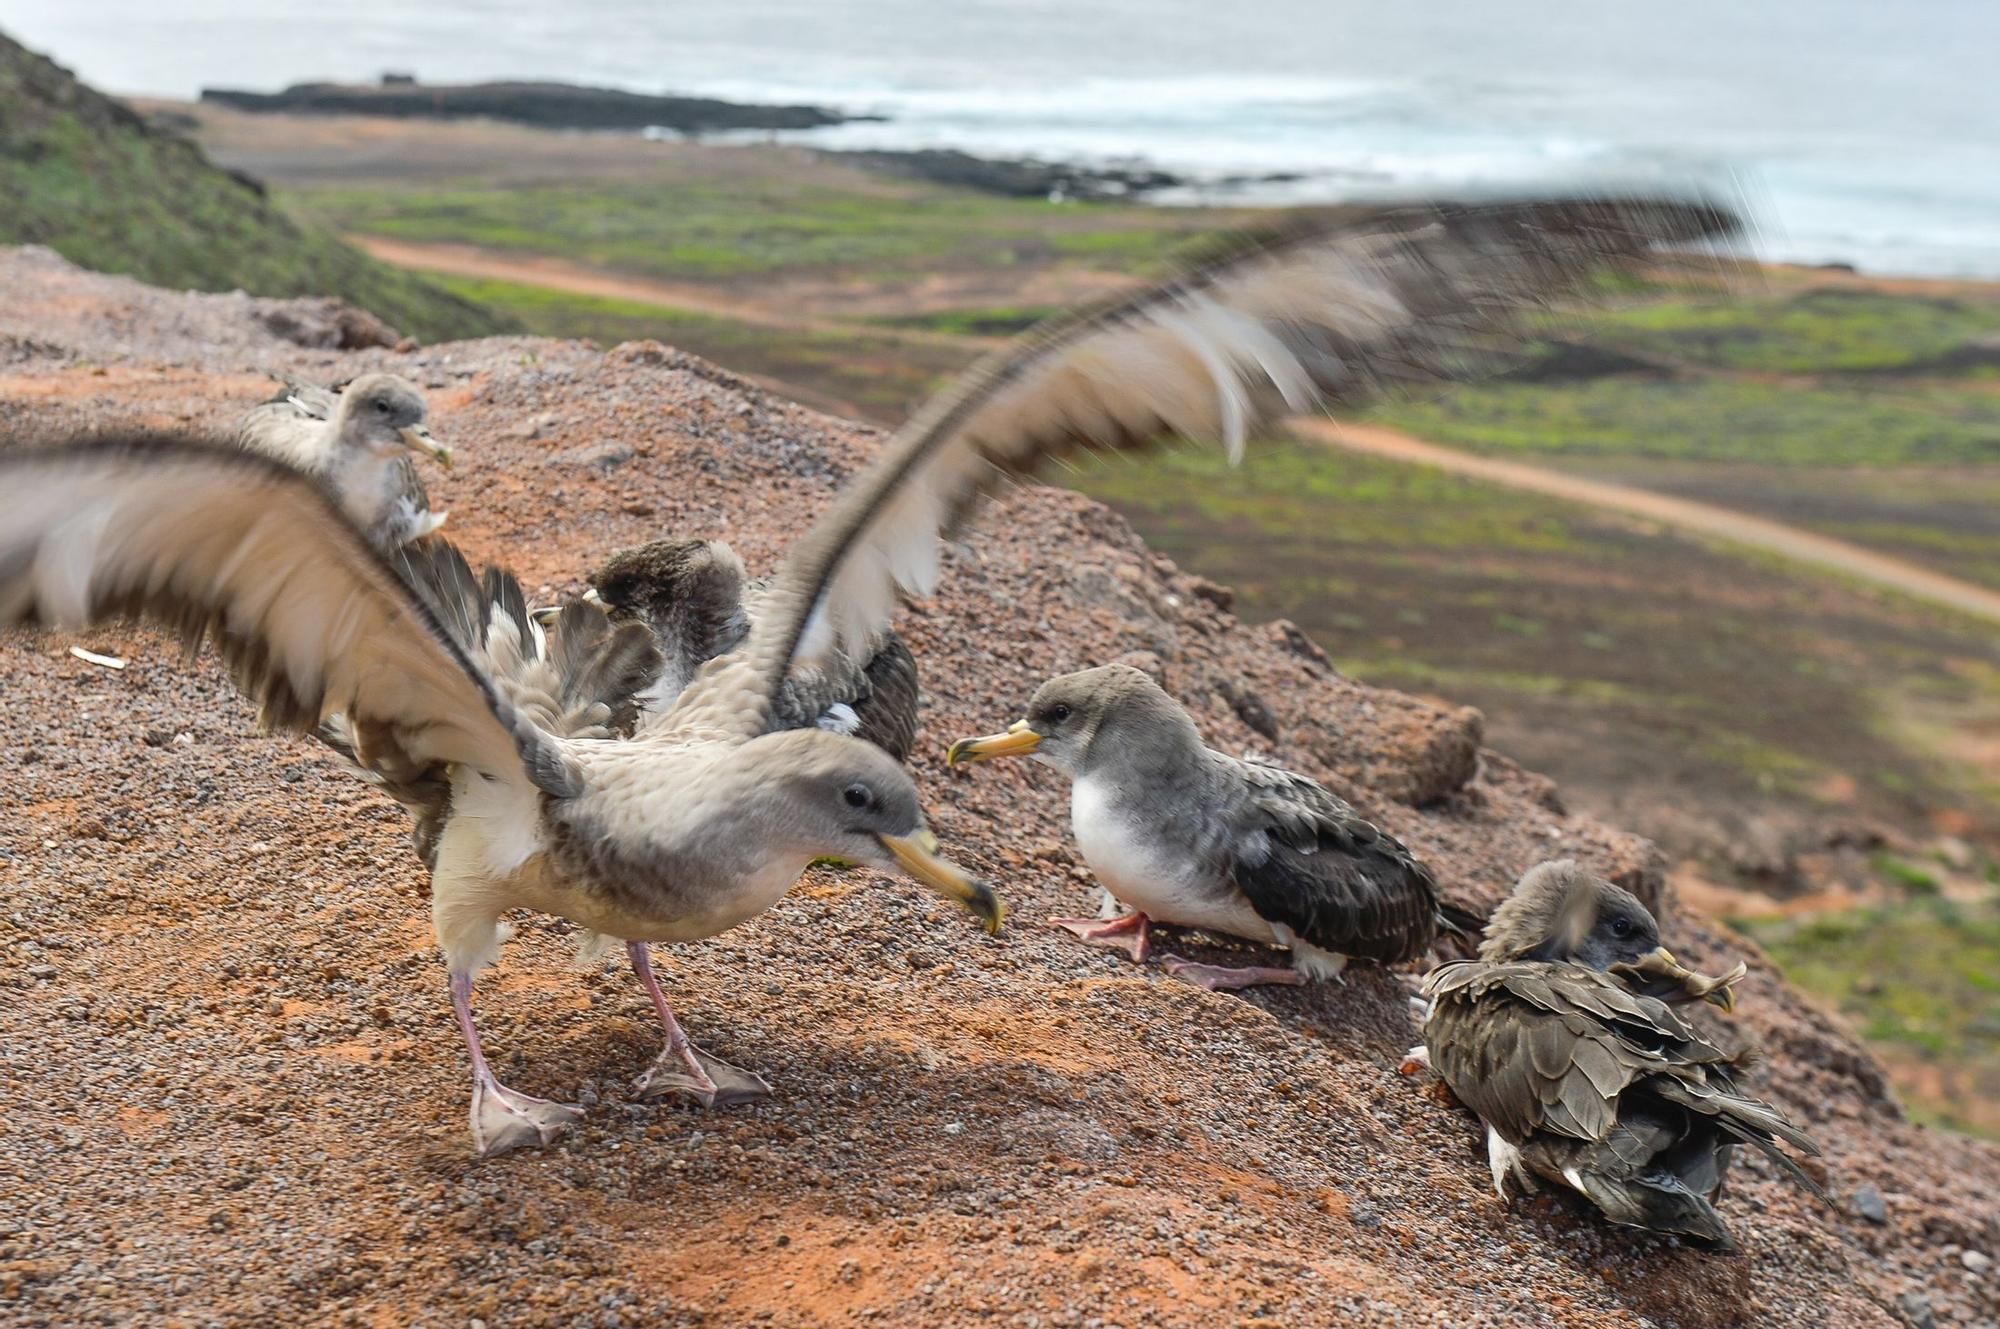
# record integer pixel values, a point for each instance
(699, 603)
(1563, 1036)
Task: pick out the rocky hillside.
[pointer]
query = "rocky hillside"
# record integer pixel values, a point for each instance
(83, 174)
(234, 1093)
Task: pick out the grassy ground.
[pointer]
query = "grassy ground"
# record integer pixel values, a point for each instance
(83, 175)
(764, 227)
(1872, 415)
(871, 373)
(1920, 982)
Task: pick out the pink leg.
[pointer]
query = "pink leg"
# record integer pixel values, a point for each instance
(681, 1067)
(1218, 979)
(1132, 934)
(503, 1118)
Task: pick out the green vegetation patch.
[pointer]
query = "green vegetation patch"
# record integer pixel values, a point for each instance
(1715, 419)
(873, 371)
(764, 225)
(1811, 332)
(85, 176)
(1923, 977)
(1001, 321)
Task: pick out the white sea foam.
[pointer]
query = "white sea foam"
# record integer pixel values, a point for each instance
(1865, 130)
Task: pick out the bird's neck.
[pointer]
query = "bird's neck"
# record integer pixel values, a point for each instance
(1148, 752)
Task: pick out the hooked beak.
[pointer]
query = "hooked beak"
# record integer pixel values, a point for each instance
(1662, 976)
(418, 439)
(546, 615)
(1017, 741)
(918, 855)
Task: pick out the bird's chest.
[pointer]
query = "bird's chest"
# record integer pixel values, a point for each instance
(368, 486)
(1134, 860)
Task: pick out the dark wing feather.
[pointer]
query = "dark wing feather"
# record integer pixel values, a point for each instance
(602, 665)
(1603, 1089)
(889, 713)
(882, 693)
(250, 555)
(1331, 314)
(1307, 860)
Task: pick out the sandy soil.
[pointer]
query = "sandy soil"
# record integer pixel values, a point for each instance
(234, 1095)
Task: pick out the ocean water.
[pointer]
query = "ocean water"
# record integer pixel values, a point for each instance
(1861, 132)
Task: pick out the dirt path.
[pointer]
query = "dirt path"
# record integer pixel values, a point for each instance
(1681, 513)
(581, 279)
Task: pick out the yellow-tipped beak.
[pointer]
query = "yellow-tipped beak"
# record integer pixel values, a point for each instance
(418, 438)
(1661, 964)
(918, 854)
(1017, 741)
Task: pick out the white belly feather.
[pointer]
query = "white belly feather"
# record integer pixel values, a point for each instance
(1144, 875)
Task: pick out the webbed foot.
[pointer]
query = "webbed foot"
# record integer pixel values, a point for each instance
(1130, 933)
(504, 1119)
(710, 1080)
(1215, 978)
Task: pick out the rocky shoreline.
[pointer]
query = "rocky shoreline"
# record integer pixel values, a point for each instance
(543, 105)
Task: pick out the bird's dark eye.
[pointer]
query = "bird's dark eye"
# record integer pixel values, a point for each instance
(1621, 927)
(1058, 713)
(857, 796)
(381, 406)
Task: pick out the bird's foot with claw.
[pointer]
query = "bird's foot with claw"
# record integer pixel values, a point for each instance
(1127, 933)
(718, 1085)
(504, 1119)
(1215, 978)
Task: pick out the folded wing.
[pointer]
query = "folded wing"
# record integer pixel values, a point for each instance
(1307, 860)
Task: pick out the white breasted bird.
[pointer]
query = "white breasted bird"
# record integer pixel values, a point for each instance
(700, 819)
(358, 439)
(1182, 834)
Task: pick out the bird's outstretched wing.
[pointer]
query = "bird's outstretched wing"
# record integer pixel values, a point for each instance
(250, 555)
(1307, 860)
(1322, 314)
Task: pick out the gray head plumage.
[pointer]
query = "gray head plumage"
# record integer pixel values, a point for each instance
(1075, 721)
(386, 413)
(1559, 911)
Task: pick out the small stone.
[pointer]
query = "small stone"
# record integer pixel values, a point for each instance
(1977, 1261)
(1916, 1311)
(1868, 1204)
(1364, 1214)
(41, 971)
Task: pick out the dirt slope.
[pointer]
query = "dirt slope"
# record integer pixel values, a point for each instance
(233, 1093)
